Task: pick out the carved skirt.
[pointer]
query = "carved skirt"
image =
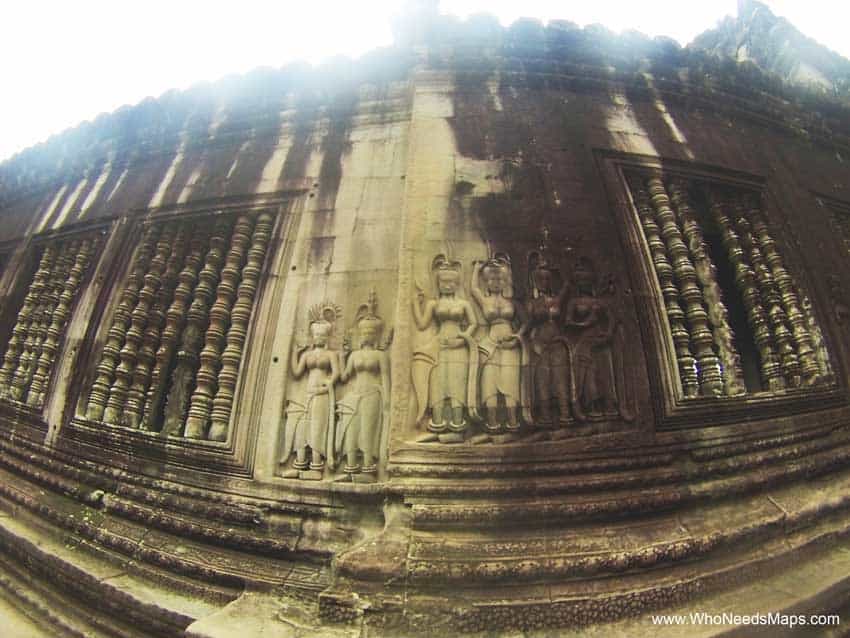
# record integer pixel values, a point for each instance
(450, 376)
(359, 428)
(500, 372)
(309, 423)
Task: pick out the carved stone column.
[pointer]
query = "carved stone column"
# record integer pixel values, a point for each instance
(116, 404)
(41, 320)
(718, 316)
(676, 268)
(232, 355)
(175, 319)
(150, 339)
(711, 382)
(790, 300)
(207, 377)
(746, 282)
(59, 320)
(25, 318)
(192, 336)
(121, 320)
(771, 303)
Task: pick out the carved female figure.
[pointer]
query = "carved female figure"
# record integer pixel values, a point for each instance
(309, 423)
(550, 359)
(446, 369)
(598, 382)
(502, 350)
(363, 410)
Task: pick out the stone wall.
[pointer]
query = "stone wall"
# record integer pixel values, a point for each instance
(465, 326)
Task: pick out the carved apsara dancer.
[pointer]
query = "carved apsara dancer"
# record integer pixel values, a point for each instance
(365, 407)
(598, 382)
(308, 430)
(503, 353)
(550, 366)
(445, 370)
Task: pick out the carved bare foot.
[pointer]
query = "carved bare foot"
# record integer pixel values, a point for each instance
(451, 437)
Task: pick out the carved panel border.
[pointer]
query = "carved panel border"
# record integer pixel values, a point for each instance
(237, 268)
(679, 399)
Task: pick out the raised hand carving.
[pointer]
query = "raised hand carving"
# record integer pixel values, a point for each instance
(309, 426)
(365, 408)
(445, 371)
(503, 352)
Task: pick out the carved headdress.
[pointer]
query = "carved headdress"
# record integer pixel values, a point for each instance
(444, 268)
(324, 314)
(541, 260)
(500, 263)
(367, 314)
(585, 274)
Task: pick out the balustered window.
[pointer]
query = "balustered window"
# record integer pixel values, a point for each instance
(739, 322)
(177, 336)
(41, 303)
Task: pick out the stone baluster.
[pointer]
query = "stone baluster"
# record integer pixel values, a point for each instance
(120, 322)
(41, 322)
(116, 403)
(192, 337)
(718, 316)
(175, 319)
(59, 320)
(770, 302)
(684, 276)
(692, 269)
(241, 315)
(26, 316)
(800, 334)
(150, 340)
(746, 283)
(207, 377)
(664, 272)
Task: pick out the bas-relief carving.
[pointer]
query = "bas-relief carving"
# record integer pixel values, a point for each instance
(308, 430)
(446, 366)
(530, 370)
(364, 409)
(503, 349)
(338, 415)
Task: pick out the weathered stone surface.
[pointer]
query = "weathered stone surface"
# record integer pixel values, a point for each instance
(520, 331)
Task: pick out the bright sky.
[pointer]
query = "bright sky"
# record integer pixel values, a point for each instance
(65, 62)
